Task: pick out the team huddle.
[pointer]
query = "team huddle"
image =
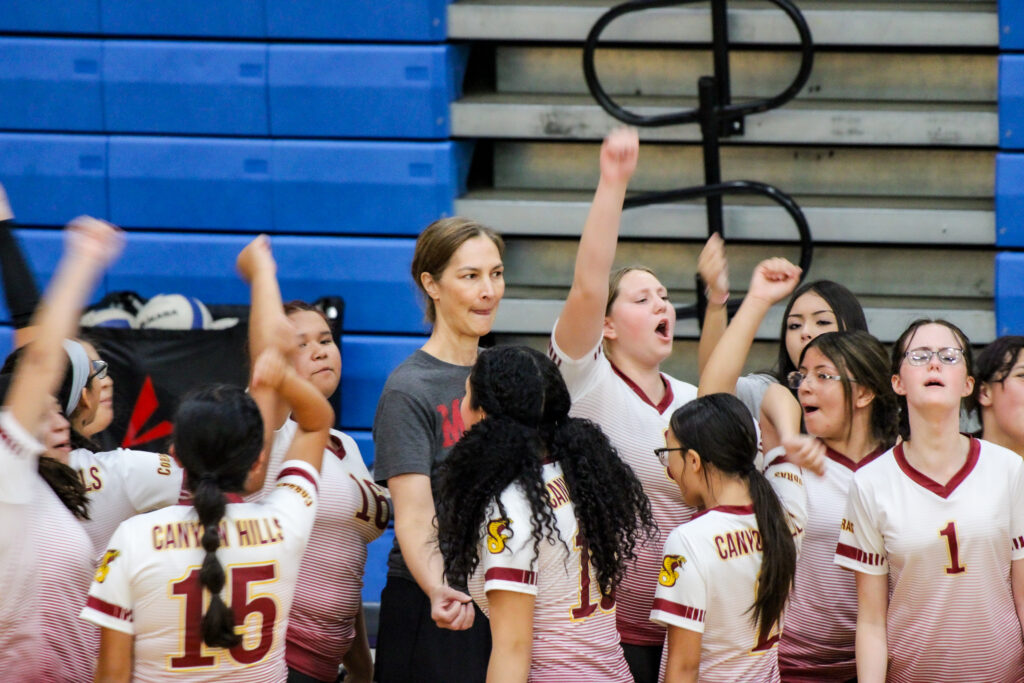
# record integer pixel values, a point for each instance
(571, 516)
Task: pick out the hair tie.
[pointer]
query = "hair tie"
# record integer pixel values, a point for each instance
(80, 367)
(208, 478)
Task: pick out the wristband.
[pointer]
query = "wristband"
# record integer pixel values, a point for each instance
(716, 302)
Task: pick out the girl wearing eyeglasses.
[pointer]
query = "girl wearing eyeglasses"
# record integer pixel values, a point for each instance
(726, 574)
(934, 529)
(844, 389)
(999, 392)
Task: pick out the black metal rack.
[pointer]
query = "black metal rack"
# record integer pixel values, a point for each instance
(718, 117)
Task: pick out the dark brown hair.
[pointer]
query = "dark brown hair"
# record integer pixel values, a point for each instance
(436, 245)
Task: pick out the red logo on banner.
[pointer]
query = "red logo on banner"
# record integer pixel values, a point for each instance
(145, 406)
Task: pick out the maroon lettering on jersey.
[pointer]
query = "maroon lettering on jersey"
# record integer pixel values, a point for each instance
(451, 422)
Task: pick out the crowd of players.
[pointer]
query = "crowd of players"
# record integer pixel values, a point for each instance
(575, 516)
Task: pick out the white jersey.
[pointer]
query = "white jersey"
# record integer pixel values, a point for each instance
(635, 428)
(947, 551)
(708, 581)
(122, 483)
(574, 634)
(351, 512)
(46, 562)
(821, 618)
(148, 583)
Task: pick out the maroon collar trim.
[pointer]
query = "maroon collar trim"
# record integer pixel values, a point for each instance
(849, 464)
(727, 509)
(932, 485)
(334, 445)
(666, 400)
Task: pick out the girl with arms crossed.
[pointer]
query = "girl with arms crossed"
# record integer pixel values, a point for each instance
(934, 529)
(540, 515)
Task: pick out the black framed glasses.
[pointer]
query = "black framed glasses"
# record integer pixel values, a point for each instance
(662, 454)
(950, 355)
(99, 370)
(796, 378)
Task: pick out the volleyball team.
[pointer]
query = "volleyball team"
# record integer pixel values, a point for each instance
(571, 516)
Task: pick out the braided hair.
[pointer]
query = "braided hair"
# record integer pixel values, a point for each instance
(218, 435)
(527, 421)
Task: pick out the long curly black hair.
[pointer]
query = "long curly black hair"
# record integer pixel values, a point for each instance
(526, 407)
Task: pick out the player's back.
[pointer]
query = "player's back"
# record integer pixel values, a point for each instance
(148, 583)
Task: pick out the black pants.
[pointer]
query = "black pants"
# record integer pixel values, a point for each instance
(644, 662)
(296, 676)
(411, 648)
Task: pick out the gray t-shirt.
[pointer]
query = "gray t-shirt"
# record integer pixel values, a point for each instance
(751, 390)
(418, 421)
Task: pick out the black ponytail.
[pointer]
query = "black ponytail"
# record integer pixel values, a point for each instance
(218, 435)
(719, 428)
(527, 421)
(65, 482)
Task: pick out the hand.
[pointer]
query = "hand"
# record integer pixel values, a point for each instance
(806, 452)
(619, 153)
(450, 608)
(773, 280)
(254, 257)
(5, 206)
(93, 240)
(714, 268)
(270, 370)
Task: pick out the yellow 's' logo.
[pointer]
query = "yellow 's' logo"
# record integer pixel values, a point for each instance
(497, 533)
(669, 565)
(104, 568)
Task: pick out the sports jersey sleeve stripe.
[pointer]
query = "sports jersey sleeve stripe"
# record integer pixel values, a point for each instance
(294, 471)
(108, 616)
(514, 575)
(858, 560)
(668, 613)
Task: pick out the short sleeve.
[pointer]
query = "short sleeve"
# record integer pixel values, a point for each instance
(110, 601)
(1017, 511)
(861, 545)
(294, 499)
(580, 374)
(152, 480)
(787, 481)
(507, 557)
(750, 389)
(19, 457)
(404, 437)
(681, 596)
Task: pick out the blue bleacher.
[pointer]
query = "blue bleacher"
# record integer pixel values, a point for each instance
(380, 20)
(191, 88)
(6, 340)
(1009, 295)
(1009, 199)
(363, 439)
(1011, 101)
(367, 91)
(50, 84)
(51, 16)
(376, 572)
(1011, 25)
(51, 178)
(210, 18)
(367, 362)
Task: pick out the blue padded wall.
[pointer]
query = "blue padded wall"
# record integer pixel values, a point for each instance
(384, 91)
(363, 439)
(384, 20)
(191, 88)
(6, 340)
(51, 84)
(212, 18)
(1010, 200)
(368, 360)
(52, 178)
(1011, 25)
(51, 16)
(1009, 295)
(1011, 101)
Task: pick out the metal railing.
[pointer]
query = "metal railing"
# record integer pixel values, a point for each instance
(718, 117)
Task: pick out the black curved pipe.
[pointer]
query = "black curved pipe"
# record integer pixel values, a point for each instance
(725, 113)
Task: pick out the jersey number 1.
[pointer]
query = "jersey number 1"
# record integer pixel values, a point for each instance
(265, 606)
(586, 607)
(953, 546)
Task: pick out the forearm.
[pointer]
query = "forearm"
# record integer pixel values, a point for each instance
(726, 360)
(309, 408)
(509, 663)
(781, 408)
(596, 252)
(358, 661)
(872, 650)
(417, 540)
(716, 318)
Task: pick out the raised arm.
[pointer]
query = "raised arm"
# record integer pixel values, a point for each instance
(309, 408)
(268, 324)
(582, 319)
(90, 245)
(714, 273)
(773, 280)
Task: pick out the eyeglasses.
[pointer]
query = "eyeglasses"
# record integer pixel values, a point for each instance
(922, 355)
(796, 378)
(662, 454)
(99, 370)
